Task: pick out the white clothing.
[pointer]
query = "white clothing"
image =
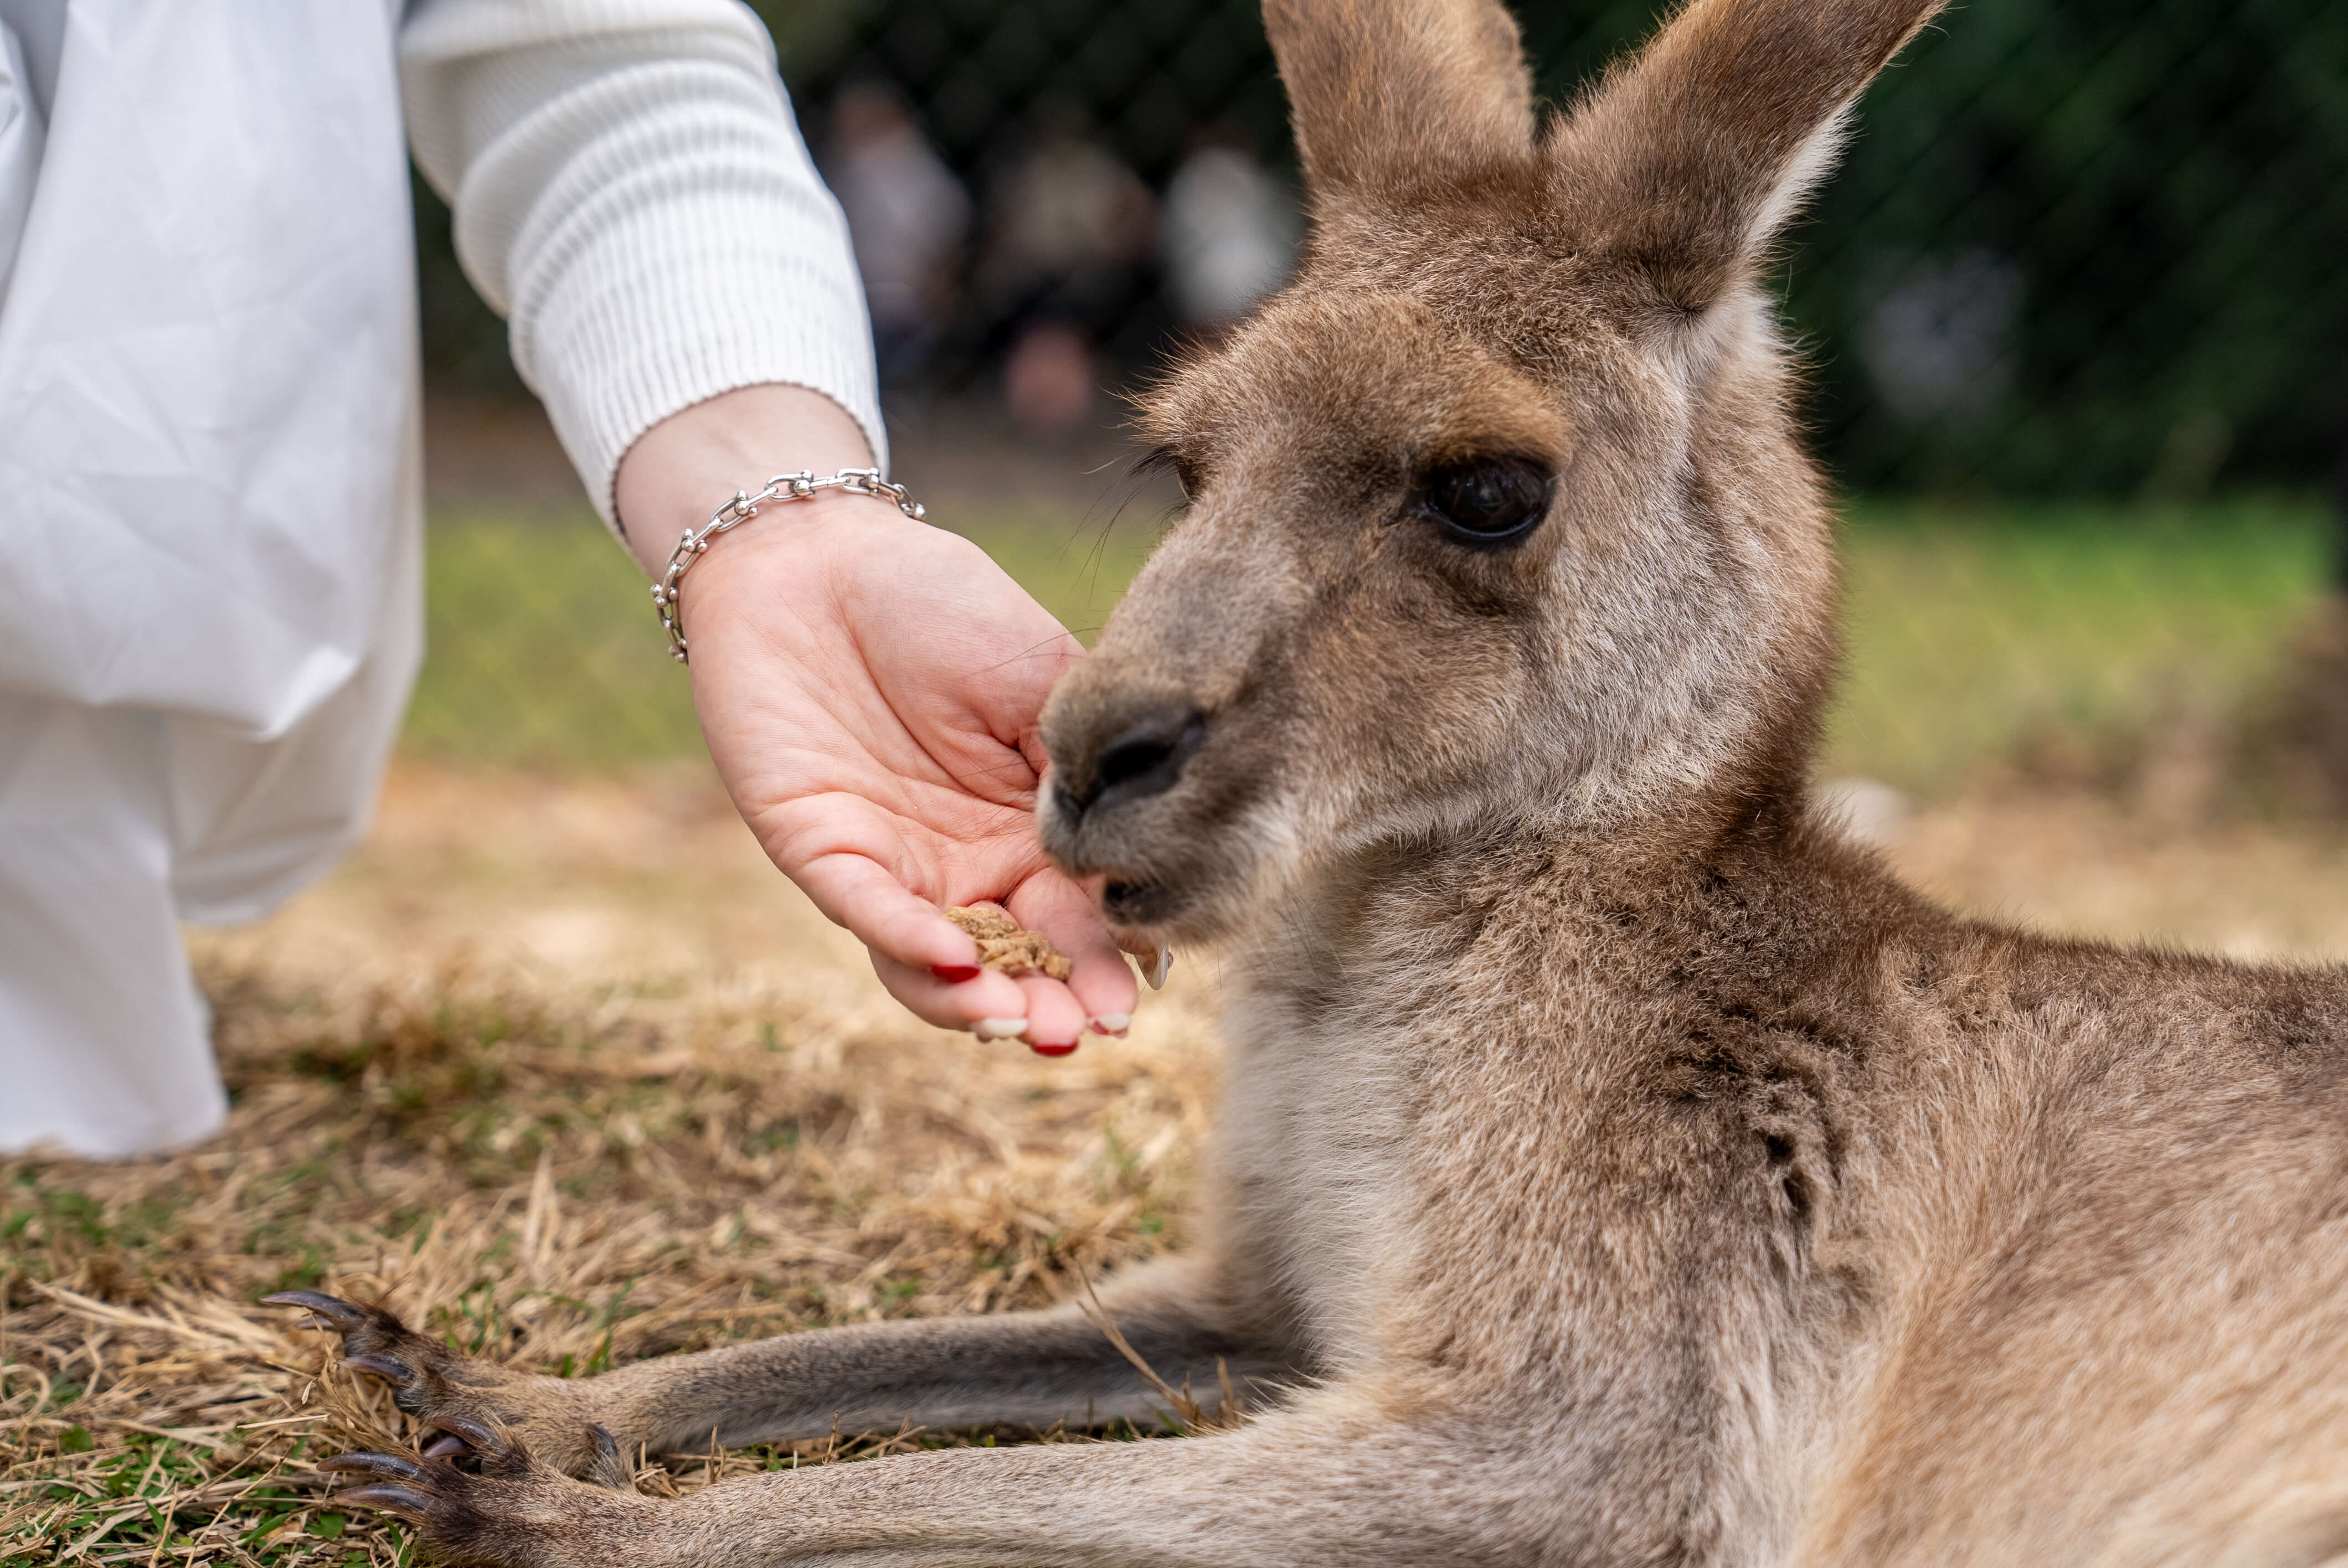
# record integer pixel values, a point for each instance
(23, 114)
(210, 497)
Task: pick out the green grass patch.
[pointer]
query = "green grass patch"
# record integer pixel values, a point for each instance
(1989, 637)
(541, 650)
(1979, 636)
(152, 1499)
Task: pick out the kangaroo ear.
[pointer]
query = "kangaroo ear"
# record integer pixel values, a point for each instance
(1685, 163)
(1387, 93)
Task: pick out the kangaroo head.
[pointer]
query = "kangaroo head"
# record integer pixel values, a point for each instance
(1498, 511)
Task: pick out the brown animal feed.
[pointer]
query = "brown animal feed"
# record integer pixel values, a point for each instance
(1004, 946)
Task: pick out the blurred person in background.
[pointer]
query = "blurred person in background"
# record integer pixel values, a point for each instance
(1227, 232)
(907, 215)
(1068, 227)
(211, 510)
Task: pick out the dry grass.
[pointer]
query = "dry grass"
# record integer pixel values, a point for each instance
(2082, 865)
(565, 1074)
(631, 1097)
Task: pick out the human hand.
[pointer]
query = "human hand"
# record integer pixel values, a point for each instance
(869, 687)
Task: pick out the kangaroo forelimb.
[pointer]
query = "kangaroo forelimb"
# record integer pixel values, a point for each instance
(1026, 1369)
(1341, 1482)
(1035, 1369)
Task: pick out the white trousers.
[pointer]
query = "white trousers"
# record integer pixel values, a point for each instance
(117, 823)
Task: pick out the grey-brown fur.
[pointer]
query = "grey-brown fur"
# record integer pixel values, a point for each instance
(1616, 1166)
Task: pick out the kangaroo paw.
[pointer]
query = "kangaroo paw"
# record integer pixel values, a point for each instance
(437, 1384)
(427, 1378)
(492, 1504)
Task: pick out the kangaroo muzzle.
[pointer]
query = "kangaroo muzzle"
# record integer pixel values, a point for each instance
(1142, 756)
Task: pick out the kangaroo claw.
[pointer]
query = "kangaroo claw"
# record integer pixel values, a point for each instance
(378, 1344)
(338, 1313)
(609, 1469)
(383, 1367)
(478, 1436)
(403, 1504)
(501, 1513)
(365, 1463)
(466, 1404)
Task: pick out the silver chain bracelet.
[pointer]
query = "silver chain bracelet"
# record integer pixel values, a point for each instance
(799, 486)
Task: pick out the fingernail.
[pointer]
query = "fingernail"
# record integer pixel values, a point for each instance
(1115, 1024)
(999, 1027)
(1053, 1049)
(954, 974)
(1161, 968)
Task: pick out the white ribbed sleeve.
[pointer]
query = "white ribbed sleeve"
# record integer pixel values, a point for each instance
(631, 190)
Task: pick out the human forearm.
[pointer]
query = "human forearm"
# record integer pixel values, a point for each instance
(631, 188)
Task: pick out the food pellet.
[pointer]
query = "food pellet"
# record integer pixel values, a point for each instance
(1004, 946)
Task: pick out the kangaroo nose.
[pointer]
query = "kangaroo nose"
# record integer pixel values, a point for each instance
(1141, 759)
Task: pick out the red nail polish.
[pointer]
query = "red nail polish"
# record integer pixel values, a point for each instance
(954, 974)
(1053, 1049)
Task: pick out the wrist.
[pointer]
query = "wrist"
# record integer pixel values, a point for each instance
(798, 523)
(683, 470)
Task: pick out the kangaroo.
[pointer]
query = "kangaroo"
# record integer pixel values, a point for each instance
(1616, 1165)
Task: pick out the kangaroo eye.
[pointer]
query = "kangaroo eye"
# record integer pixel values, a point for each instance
(1490, 501)
(1164, 459)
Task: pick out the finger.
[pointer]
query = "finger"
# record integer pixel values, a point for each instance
(1104, 987)
(1056, 1020)
(1100, 985)
(885, 914)
(1053, 1021)
(966, 1004)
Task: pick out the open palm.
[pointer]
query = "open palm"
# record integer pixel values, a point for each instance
(870, 688)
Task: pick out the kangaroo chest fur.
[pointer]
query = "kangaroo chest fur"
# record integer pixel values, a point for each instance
(1676, 1167)
(1313, 1156)
(1483, 1116)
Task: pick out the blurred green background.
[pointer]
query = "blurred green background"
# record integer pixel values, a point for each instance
(2074, 306)
(2091, 248)
(2063, 639)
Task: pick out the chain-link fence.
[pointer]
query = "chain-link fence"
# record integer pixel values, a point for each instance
(2077, 282)
(2086, 247)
